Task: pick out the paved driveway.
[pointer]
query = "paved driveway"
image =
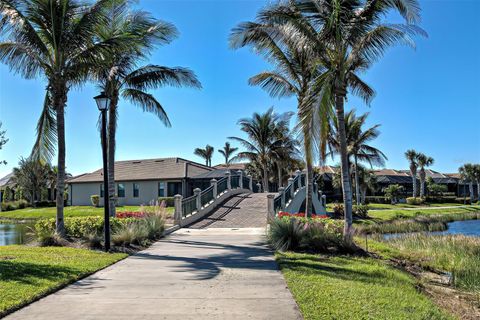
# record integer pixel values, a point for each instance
(191, 274)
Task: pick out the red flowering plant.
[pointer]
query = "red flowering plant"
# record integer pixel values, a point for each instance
(282, 214)
(130, 214)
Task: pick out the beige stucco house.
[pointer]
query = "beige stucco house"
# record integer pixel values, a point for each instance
(142, 181)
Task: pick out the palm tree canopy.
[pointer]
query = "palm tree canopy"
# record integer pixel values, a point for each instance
(228, 152)
(358, 139)
(206, 154)
(54, 39)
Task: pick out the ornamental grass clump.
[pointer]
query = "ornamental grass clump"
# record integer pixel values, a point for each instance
(457, 254)
(306, 234)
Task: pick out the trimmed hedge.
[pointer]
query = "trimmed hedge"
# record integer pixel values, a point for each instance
(415, 200)
(169, 201)
(377, 199)
(14, 205)
(79, 227)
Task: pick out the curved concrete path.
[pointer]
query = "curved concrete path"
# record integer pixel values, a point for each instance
(210, 273)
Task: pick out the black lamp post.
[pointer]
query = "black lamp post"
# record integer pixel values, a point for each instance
(103, 101)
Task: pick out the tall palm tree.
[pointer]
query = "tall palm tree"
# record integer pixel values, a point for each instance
(358, 148)
(346, 37)
(124, 79)
(412, 157)
(54, 39)
(467, 173)
(423, 162)
(293, 75)
(206, 154)
(263, 140)
(476, 168)
(227, 152)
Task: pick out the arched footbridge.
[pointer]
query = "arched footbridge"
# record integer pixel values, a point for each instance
(235, 201)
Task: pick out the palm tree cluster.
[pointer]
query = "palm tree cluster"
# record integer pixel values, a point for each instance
(206, 153)
(418, 162)
(268, 145)
(68, 42)
(319, 48)
(470, 173)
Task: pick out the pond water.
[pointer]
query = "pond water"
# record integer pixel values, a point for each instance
(11, 233)
(466, 227)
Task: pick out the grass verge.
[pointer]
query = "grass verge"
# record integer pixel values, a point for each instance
(28, 273)
(347, 287)
(70, 211)
(408, 213)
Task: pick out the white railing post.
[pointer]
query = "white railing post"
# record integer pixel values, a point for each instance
(259, 187)
(270, 209)
(250, 182)
(229, 180)
(213, 183)
(177, 216)
(281, 190)
(324, 201)
(240, 181)
(292, 188)
(198, 193)
(298, 173)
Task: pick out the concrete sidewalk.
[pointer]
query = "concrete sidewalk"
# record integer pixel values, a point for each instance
(191, 274)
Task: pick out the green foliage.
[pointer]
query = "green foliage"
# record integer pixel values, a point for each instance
(376, 199)
(169, 201)
(14, 205)
(457, 254)
(415, 200)
(435, 189)
(317, 235)
(462, 200)
(354, 288)
(155, 225)
(338, 210)
(95, 200)
(7, 194)
(392, 192)
(130, 233)
(360, 210)
(30, 272)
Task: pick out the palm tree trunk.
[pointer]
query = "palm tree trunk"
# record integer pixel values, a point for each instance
(414, 181)
(364, 195)
(265, 178)
(279, 173)
(60, 98)
(357, 182)
(309, 190)
(470, 188)
(346, 184)
(112, 129)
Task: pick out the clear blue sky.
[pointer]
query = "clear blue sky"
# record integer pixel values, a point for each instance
(427, 99)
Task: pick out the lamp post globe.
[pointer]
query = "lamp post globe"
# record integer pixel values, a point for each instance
(102, 101)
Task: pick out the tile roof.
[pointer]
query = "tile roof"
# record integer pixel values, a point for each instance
(232, 166)
(6, 180)
(147, 169)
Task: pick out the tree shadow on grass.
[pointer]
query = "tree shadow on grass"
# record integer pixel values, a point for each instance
(27, 273)
(328, 267)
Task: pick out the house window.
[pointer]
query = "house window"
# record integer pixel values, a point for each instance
(121, 190)
(101, 191)
(161, 189)
(136, 190)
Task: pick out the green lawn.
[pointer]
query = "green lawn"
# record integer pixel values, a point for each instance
(345, 287)
(27, 273)
(382, 206)
(70, 211)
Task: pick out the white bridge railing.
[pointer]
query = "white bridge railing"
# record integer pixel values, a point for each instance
(191, 209)
(291, 198)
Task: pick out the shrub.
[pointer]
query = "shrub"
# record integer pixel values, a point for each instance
(317, 235)
(169, 201)
(285, 233)
(130, 233)
(14, 205)
(360, 211)
(462, 200)
(376, 199)
(95, 199)
(282, 214)
(155, 225)
(415, 200)
(45, 203)
(130, 214)
(338, 210)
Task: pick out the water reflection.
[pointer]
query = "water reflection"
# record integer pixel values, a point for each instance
(11, 233)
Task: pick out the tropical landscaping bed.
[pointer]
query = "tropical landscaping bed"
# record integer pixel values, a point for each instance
(28, 273)
(70, 211)
(380, 279)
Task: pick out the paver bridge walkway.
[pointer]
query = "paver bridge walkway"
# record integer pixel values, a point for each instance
(212, 273)
(240, 211)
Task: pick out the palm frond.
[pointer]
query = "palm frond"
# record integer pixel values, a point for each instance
(147, 103)
(153, 76)
(45, 143)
